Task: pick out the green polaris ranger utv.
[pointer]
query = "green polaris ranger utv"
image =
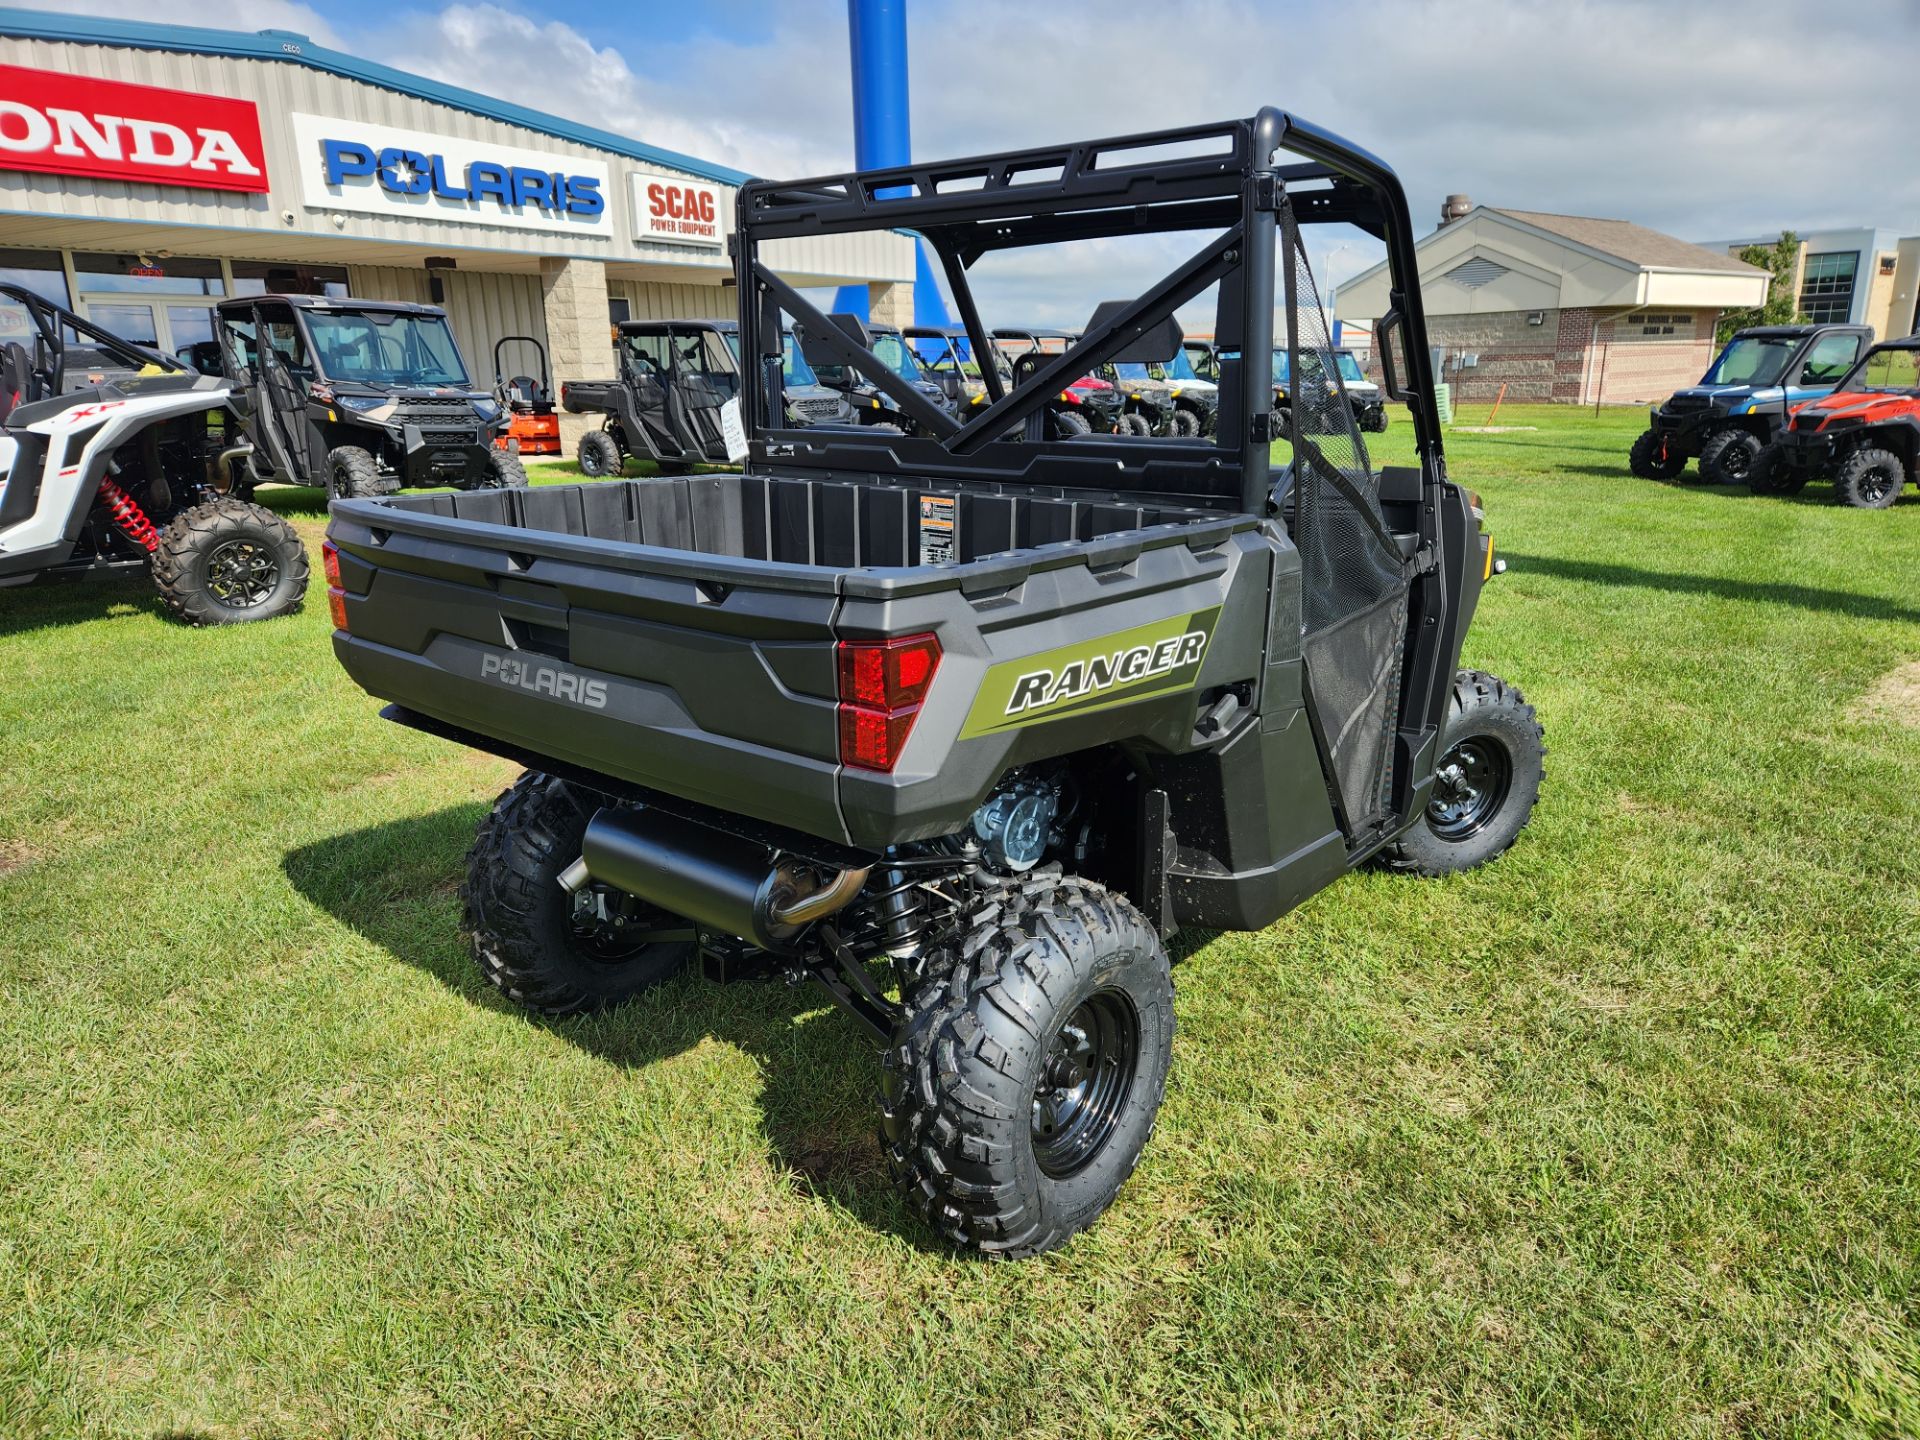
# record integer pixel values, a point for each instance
(963, 724)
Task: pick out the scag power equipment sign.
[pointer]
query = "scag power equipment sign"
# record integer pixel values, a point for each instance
(75, 125)
(349, 165)
(676, 210)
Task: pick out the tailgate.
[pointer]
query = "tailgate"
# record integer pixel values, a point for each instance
(704, 675)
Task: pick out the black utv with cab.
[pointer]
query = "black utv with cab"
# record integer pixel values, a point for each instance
(116, 460)
(674, 377)
(962, 725)
(363, 397)
(875, 406)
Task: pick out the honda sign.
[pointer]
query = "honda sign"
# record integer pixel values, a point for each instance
(110, 130)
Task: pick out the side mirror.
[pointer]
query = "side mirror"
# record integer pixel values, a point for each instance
(1391, 334)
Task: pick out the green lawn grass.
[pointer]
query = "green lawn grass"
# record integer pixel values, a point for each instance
(1616, 1137)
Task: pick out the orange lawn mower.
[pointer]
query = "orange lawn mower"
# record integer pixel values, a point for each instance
(533, 428)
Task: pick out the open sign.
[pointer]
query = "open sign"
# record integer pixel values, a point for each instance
(677, 211)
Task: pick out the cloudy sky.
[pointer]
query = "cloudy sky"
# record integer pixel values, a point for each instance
(1698, 120)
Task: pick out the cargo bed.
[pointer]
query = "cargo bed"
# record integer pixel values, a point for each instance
(679, 634)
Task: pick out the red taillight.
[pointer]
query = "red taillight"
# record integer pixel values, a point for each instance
(873, 739)
(887, 674)
(336, 592)
(882, 684)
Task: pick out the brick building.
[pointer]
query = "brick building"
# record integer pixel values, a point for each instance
(1564, 307)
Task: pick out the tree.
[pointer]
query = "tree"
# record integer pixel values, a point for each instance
(1782, 305)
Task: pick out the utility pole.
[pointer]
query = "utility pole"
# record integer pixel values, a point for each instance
(883, 131)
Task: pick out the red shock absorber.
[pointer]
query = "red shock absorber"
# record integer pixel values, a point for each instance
(128, 515)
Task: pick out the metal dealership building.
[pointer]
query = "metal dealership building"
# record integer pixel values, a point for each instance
(148, 170)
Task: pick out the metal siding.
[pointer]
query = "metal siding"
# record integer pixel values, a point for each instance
(483, 309)
(654, 301)
(279, 88)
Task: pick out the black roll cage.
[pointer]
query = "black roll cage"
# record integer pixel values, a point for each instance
(1138, 184)
(50, 319)
(303, 306)
(1848, 381)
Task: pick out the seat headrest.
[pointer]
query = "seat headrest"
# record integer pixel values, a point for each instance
(1156, 345)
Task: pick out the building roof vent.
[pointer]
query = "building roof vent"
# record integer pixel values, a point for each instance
(1476, 272)
(1455, 207)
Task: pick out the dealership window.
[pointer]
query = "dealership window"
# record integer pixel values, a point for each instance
(147, 275)
(258, 277)
(37, 270)
(1826, 292)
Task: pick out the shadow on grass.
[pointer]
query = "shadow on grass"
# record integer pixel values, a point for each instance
(396, 884)
(1804, 597)
(48, 604)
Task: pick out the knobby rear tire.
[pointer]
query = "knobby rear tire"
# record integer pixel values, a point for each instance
(964, 1070)
(518, 919)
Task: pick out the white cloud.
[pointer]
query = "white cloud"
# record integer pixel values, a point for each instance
(1636, 109)
(1673, 116)
(244, 15)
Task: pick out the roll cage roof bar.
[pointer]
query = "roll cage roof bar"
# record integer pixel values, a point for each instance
(49, 319)
(1147, 183)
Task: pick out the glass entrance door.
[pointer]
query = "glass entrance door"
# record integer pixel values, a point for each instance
(162, 301)
(130, 321)
(170, 328)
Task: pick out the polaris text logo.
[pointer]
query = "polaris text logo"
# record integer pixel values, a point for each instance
(410, 172)
(1102, 672)
(544, 680)
(350, 165)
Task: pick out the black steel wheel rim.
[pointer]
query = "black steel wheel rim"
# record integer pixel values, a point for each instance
(1469, 787)
(1877, 483)
(1085, 1078)
(1736, 461)
(242, 574)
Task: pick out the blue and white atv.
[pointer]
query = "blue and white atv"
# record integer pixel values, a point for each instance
(115, 458)
(1744, 400)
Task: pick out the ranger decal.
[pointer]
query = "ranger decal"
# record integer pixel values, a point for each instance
(1138, 664)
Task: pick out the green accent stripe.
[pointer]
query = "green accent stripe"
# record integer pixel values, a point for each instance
(1063, 674)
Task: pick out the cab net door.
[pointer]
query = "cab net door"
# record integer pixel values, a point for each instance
(1355, 578)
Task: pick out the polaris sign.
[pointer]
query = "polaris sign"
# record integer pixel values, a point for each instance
(348, 165)
(107, 130)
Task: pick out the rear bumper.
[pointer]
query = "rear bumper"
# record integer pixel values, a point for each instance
(660, 744)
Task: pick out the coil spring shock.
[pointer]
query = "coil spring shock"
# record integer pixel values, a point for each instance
(903, 910)
(125, 512)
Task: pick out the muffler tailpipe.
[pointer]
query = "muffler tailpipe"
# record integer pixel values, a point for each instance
(719, 881)
(221, 477)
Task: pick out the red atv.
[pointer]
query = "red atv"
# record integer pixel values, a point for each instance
(1866, 434)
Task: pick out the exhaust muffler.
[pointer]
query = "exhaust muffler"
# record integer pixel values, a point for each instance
(719, 881)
